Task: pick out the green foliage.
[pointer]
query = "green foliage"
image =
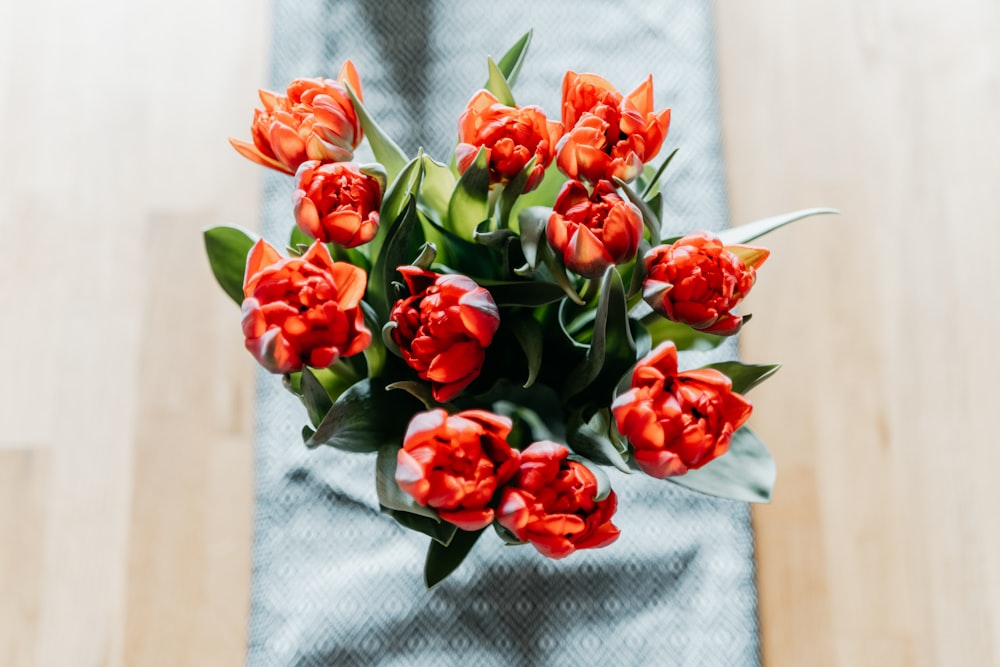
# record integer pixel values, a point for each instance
(227, 249)
(443, 559)
(469, 203)
(746, 472)
(750, 231)
(365, 418)
(745, 376)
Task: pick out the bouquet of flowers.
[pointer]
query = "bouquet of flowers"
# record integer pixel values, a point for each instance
(503, 331)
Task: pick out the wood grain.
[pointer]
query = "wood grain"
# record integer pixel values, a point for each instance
(125, 433)
(882, 545)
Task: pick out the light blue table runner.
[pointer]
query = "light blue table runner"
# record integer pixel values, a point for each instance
(335, 582)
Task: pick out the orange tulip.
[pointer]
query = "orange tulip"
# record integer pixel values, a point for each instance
(337, 203)
(677, 421)
(314, 120)
(456, 463)
(511, 135)
(697, 281)
(302, 310)
(550, 503)
(443, 328)
(593, 231)
(608, 136)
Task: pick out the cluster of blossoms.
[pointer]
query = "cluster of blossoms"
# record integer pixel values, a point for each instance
(462, 459)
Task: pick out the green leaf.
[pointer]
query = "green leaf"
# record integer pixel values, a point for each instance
(403, 188)
(684, 337)
(556, 271)
(543, 195)
(314, 397)
(497, 84)
(365, 418)
(528, 293)
(510, 63)
(227, 248)
(469, 203)
(532, 222)
(436, 189)
(385, 150)
(389, 493)
(651, 188)
(530, 337)
(649, 218)
(597, 440)
(512, 191)
(298, 238)
(612, 348)
(750, 231)
(442, 531)
(398, 251)
(418, 390)
(443, 560)
(745, 376)
(746, 472)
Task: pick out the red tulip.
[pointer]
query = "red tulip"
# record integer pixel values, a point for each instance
(607, 135)
(550, 503)
(456, 463)
(314, 120)
(697, 281)
(443, 328)
(337, 203)
(677, 421)
(593, 231)
(511, 135)
(302, 310)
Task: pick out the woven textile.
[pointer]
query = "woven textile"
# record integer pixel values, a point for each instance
(337, 583)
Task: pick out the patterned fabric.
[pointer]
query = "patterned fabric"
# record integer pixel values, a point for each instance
(337, 583)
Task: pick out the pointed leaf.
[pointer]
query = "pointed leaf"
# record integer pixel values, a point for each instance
(436, 189)
(389, 493)
(752, 230)
(532, 222)
(649, 218)
(512, 191)
(746, 472)
(510, 63)
(385, 150)
(398, 251)
(612, 348)
(595, 440)
(530, 337)
(443, 560)
(314, 397)
(556, 271)
(497, 84)
(365, 418)
(227, 248)
(745, 376)
(528, 293)
(441, 531)
(469, 203)
(651, 188)
(403, 188)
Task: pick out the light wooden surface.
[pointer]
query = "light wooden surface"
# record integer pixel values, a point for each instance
(883, 544)
(125, 424)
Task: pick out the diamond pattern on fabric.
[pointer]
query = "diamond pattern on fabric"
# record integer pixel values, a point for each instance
(335, 582)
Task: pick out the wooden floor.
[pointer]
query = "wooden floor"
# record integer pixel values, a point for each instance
(125, 423)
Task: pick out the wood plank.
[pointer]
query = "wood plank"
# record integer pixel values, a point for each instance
(886, 110)
(24, 477)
